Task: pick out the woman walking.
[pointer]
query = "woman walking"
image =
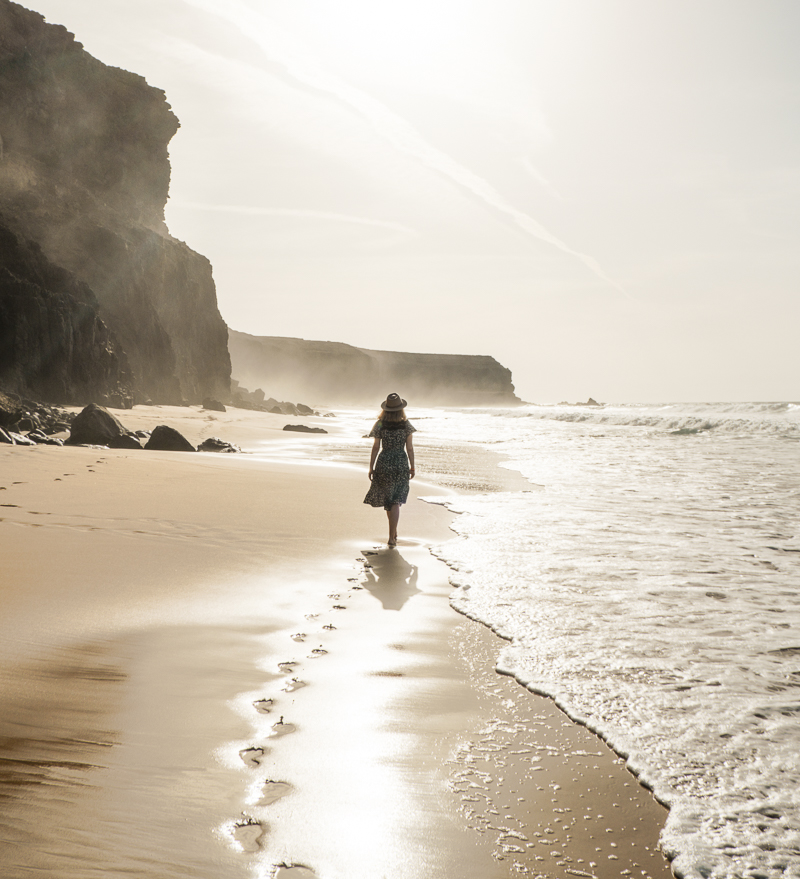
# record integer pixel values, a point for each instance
(391, 470)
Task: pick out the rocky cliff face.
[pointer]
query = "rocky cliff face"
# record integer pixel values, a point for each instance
(84, 177)
(331, 373)
(53, 345)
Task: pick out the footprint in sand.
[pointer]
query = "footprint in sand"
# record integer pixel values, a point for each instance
(288, 665)
(248, 833)
(317, 652)
(311, 616)
(335, 596)
(263, 706)
(329, 626)
(294, 684)
(293, 871)
(339, 607)
(252, 756)
(274, 791)
(282, 729)
(299, 636)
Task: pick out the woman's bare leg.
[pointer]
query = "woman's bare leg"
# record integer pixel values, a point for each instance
(394, 518)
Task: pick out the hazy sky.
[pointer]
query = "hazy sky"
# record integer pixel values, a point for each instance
(602, 194)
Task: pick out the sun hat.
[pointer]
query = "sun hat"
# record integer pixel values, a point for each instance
(393, 403)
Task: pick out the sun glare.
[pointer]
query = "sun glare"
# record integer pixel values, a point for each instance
(415, 44)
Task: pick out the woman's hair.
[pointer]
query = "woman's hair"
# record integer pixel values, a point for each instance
(396, 415)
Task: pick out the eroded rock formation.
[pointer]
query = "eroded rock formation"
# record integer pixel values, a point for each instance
(53, 344)
(332, 373)
(102, 292)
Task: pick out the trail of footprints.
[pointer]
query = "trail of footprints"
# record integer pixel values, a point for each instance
(249, 832)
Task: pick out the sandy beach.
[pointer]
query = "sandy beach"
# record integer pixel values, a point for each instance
(213, 666)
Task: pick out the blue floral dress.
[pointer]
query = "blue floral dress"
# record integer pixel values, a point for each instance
(390, 478)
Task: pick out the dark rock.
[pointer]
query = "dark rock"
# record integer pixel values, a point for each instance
(303, 428)
(118, 400)
(9, 417)
(124, 441)
(329, 415)
(10, 411)
(215, 444)
(41, 439)
(142, 434)
(213, 405)
(302, 409)
(53, 344)
(95, 425)
(5, 437)
(167, 439)
(20, 440)
(28, 423)
(282, 407)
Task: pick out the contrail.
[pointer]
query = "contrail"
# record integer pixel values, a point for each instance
(301, 214)
(281, 48)
(537, 175)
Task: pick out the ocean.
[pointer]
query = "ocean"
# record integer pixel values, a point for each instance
(647, 579)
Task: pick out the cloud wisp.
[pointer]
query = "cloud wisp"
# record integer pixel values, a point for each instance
(401, 232)
(283, 49)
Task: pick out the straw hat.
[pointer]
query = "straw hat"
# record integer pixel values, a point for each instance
(393, 403)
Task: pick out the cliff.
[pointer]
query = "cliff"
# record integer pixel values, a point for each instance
(53, 345)
(94, 285)
(332, 373)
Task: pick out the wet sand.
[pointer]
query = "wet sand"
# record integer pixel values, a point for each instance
(212, 666)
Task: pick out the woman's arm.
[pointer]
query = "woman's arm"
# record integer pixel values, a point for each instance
(376, 447)
(410, 451)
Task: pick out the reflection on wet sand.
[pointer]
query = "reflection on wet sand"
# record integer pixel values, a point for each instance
(390, 578)
(53, 734)
(107, 756)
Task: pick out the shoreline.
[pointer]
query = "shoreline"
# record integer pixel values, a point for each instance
(187, 631)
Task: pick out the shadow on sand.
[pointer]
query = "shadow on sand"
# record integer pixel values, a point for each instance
(391, 579)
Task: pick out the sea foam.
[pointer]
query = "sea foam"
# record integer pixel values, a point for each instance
(648, 582)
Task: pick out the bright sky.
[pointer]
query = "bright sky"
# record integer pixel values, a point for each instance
(602, 194)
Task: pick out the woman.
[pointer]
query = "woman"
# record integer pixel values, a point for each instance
(393, 468)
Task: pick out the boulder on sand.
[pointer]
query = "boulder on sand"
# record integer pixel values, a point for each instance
(42, 439)
(167, 439)
(125, 441)
(215, 444)
(95, 426)
(214, 405)
(302, 428)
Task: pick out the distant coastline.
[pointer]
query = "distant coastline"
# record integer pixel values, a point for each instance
(332, 373)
